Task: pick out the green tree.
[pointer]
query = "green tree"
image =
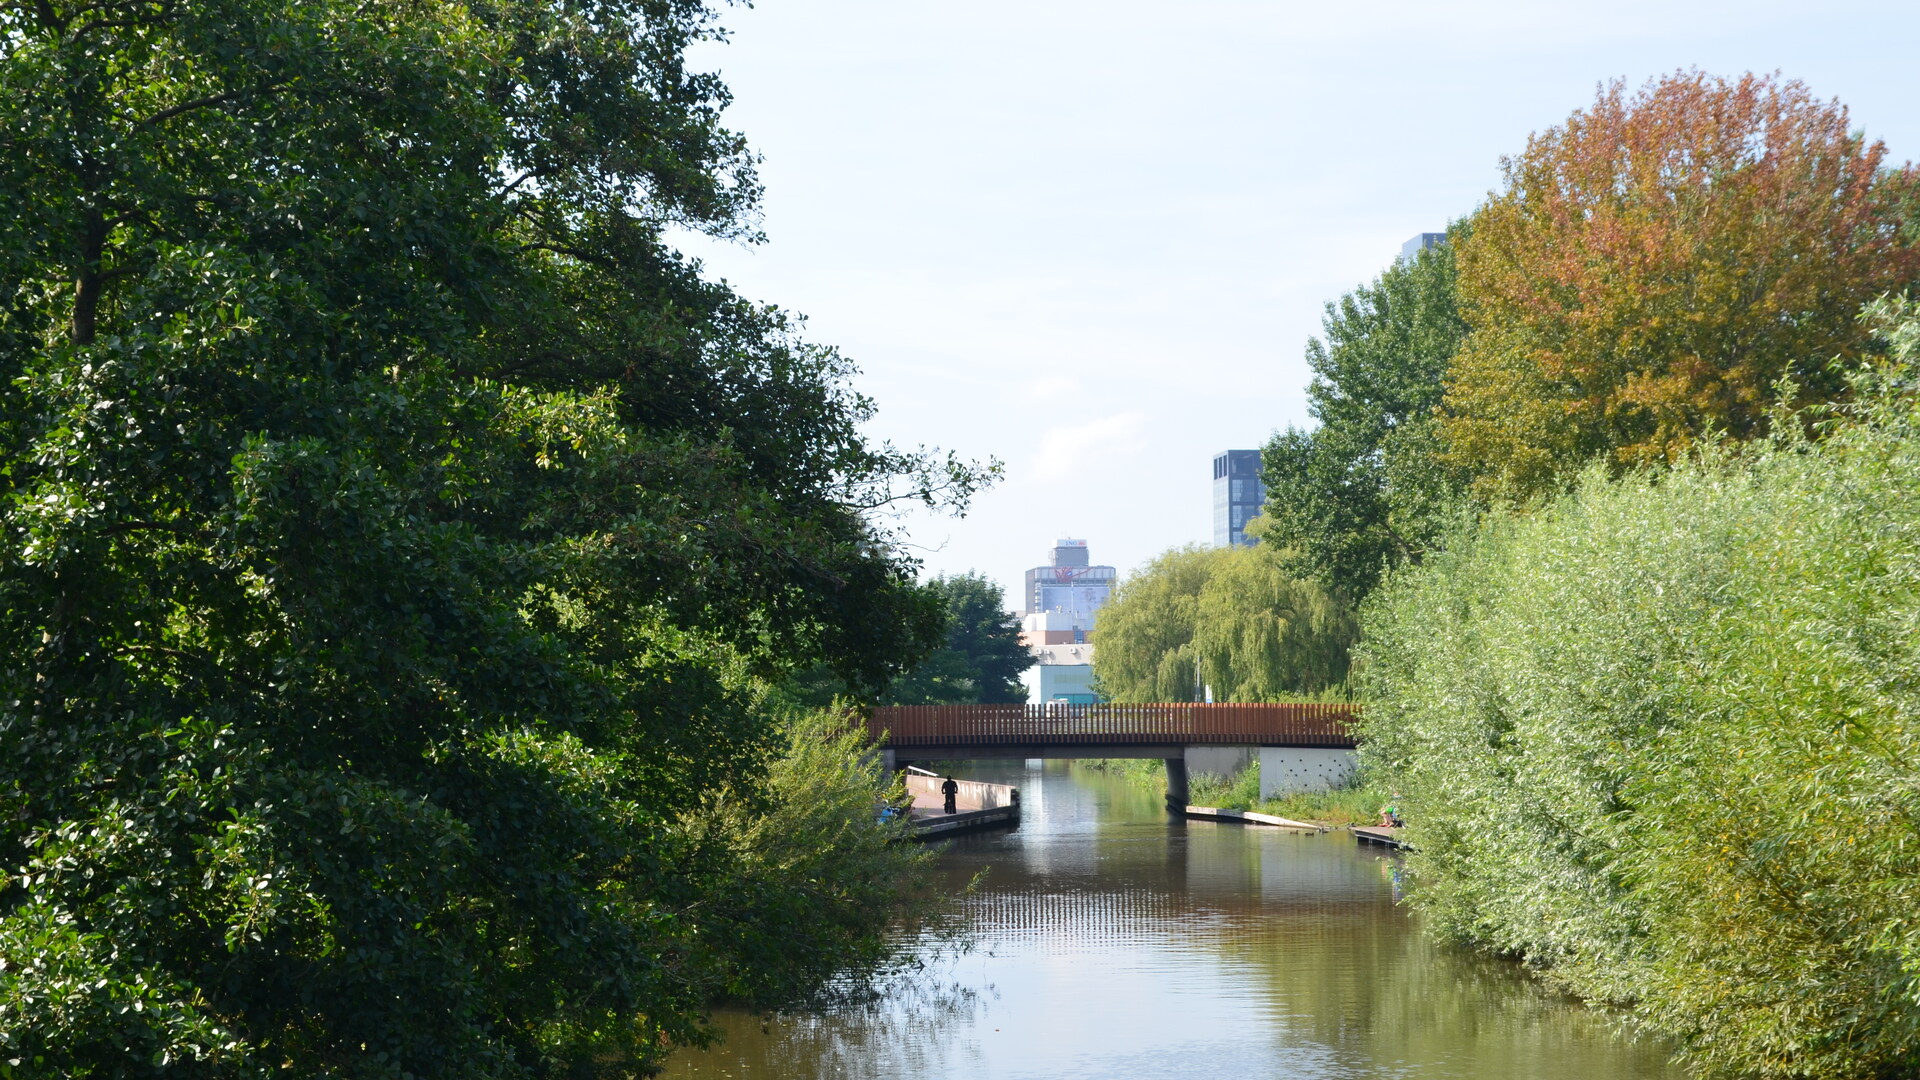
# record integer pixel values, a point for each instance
(1262, 634)
(1234, 620)
(982, 658)
(1363, 492)
(397, 537)
(1141, 643)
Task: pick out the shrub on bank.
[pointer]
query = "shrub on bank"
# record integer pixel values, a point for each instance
(1353, 805)
(1659, 739)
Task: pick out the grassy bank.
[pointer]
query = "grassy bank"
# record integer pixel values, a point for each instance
(1353, 805)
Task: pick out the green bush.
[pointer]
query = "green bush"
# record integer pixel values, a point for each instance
(1354, 804)
(820, 894)
(1658, 739)
(1241, 791)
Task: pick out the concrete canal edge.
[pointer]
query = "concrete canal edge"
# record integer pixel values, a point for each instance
(926, 828)
(1365, 834)
(981, 805)
(1248, 817)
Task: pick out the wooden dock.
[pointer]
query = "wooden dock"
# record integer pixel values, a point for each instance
(1373, 834)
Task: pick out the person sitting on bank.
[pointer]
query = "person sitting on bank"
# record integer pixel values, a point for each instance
(951, 789)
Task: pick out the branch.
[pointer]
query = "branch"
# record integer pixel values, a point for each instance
(524, 177)
(208, 665)
(1412, 553)
(571, 252)
(146, 526)
(211, 99)
(106, 24)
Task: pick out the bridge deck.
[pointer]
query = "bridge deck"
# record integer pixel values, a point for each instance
(1111, 726)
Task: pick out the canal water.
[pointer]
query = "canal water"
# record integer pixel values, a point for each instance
(1113, 942)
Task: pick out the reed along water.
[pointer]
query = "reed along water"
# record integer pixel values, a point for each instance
(1111, 941)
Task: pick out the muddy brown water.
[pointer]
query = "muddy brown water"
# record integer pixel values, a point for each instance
(1113, 942)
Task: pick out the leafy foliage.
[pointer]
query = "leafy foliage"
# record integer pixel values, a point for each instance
(397, 535)
(1658, 738)
(1656, 266)
(1363, 492)
(805, 852)
(1233, 619)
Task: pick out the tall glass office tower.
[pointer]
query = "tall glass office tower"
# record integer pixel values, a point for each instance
(1238, 495)
(1411, 250)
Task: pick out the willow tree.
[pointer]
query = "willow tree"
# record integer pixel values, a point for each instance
(396, 533)
(1660, 266)
(1263, 634)
(1232, 621)
(1141, 641)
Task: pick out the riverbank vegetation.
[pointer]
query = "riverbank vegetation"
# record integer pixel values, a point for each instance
(1633, 565)
(1351, 805)
(400, 543)
(1658, 738)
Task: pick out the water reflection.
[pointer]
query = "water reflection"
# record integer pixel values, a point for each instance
(1112, 943)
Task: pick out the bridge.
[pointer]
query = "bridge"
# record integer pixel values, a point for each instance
(1300, 746)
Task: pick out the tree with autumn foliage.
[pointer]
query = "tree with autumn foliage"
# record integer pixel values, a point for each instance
(1666, 264)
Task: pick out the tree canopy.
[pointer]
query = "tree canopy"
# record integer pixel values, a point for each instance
(1657, 266)
(1232, 619)
(398, 535)
(1362, 492)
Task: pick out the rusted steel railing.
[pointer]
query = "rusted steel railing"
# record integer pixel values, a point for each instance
(1139, 725)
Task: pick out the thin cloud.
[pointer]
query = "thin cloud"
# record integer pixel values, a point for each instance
(1066, 451)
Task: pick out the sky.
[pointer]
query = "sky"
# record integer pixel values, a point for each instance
(1091, 239)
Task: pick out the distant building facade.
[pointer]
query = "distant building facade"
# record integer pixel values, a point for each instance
(1070, 584)
(1420, 243)
(1238, 495)
(1064, 673)
(1052, 628)
(1063, 601)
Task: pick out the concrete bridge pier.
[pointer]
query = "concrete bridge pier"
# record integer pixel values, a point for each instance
(1177, 784)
